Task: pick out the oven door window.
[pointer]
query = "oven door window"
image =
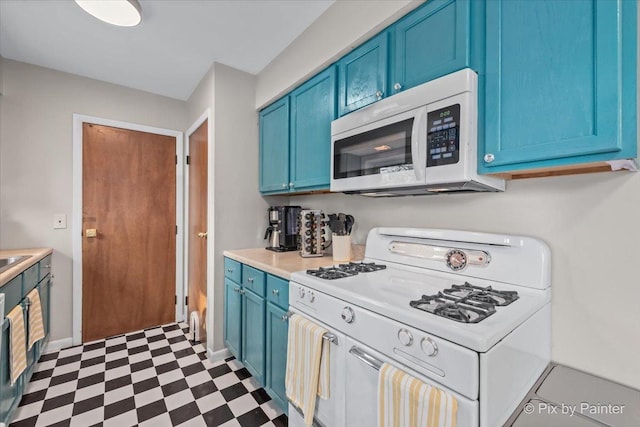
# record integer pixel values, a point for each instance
(378, 151)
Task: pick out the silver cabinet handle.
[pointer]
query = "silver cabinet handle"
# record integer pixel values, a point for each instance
(397, 86)
(47, 266)
(366, 358)
(275, 292)
(284, 318)
(229, 270)
(284, 185)
(379, 94)
(489, 157)
(242, 291)
(236, 289)
(291, 184)
(250, 279)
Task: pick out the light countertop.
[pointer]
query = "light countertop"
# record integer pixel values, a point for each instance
(35, 255)
(282, 264)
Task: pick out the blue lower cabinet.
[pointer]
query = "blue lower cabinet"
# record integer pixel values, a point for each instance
(253, 317)
(233, 317)
(256, 328)
(9, 394)
(277, 334)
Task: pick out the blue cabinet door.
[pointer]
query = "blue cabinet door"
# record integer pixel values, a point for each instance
(233, 317)
(274, 147)
(362, 74)
(560, 83)
(430, 42)
(9, 394)
(253, 324)
(313, 107)
(45, 303)
(277, 336)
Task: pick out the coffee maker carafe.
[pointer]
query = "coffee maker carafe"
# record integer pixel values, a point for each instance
(282, 231)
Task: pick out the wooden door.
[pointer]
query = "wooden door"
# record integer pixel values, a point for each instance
(129, 199)
(196, 236)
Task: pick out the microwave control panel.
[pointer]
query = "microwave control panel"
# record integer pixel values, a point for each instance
(443, 136)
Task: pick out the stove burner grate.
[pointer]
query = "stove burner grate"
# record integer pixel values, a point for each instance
(345, 270)
(480, 294)
(362, 267)
(454, 308)
(465, 303)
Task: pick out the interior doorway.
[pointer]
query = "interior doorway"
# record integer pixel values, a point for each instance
(197, 231)
(127, 228)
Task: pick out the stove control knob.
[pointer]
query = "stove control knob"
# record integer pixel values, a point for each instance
(405, 337)
(312, 297)
(301, 292)
(429, 347)
(348, 315)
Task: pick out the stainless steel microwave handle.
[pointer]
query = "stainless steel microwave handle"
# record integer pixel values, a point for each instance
(419, 138)
(366, 358)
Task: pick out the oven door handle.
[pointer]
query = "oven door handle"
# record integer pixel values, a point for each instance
(366, 358)
(332, 338)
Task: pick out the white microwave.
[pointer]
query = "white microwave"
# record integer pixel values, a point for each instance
(420, 141)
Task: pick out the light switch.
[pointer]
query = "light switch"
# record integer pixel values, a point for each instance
(59, 221)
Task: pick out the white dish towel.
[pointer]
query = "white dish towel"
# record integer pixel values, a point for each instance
(308, 368)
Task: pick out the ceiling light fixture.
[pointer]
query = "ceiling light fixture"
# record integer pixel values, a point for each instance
(123, 13)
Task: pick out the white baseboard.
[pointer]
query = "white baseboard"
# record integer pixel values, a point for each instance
(58, 345)
(216, 356)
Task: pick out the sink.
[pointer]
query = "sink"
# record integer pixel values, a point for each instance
(6, 263)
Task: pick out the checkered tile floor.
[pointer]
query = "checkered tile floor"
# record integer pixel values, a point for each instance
(155, 377)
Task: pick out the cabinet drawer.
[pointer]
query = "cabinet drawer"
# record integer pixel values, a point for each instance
(45, 268)
(29, 279)
(232, 270)
(253, 279)
(12, 294)
(278, 291)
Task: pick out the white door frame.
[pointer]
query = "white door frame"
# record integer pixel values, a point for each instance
(76, 229)
(206, 116)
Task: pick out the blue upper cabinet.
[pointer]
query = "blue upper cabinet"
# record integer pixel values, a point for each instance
(362, 74)
(274, 147)
(313, 107)
(560, 84)
(429, 43)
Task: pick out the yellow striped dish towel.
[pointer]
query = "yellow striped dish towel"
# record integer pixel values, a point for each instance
(405, 401)
(36, 327)
(17, 343)
(307, 374)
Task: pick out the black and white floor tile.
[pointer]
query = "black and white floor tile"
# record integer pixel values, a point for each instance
(155, 377)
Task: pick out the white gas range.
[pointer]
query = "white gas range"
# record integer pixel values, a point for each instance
(467, 312)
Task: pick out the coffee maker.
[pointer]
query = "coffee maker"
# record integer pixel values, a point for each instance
(282, 231)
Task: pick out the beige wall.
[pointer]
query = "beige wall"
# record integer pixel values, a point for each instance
(36, 158)
(590, 221)
(239, 212)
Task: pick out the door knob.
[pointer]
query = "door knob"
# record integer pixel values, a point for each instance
(91, 232)
(202, 235)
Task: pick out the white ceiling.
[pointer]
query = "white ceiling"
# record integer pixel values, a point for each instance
(168, 53)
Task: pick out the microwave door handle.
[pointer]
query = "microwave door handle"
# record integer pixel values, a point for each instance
(418, 133)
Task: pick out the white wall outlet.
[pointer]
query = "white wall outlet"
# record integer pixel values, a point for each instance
(59, 221)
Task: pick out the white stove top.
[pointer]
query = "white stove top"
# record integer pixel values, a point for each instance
(388, 292)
